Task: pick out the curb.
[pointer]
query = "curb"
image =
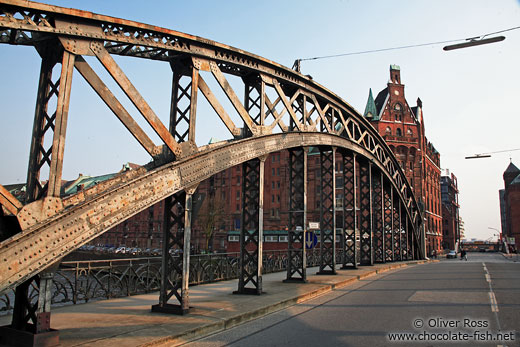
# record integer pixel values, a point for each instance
(228, 323)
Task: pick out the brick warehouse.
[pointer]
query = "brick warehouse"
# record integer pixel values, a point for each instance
(403, 129)
(451, 234)
(510, 206)
(220, 196)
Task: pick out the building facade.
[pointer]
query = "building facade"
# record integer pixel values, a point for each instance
(450, 212)
(403, 129)
(511, 206)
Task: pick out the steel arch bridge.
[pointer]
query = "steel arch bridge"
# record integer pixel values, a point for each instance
(281, 110)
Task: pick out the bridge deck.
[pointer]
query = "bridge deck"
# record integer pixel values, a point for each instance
(129, 322)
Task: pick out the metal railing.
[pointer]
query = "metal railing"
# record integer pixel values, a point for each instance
(83, 281)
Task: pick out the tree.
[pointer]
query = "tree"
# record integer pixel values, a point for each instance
(211, 217)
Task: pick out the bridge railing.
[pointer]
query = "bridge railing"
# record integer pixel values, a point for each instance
(77, 282)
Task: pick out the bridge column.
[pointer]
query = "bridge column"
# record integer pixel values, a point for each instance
(388, 222)
(251, 234)
(377, 217)
(175, 265)
(366, 219)
(404, 234)
(31, 321)
(39, 330)
(397, 229)
(328, 211)
(350, 229)
(297, 262)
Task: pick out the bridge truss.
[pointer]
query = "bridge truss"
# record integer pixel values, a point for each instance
(281, 110)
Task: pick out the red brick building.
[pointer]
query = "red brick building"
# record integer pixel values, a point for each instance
(450, 212)
(403, 129)
(511, 205)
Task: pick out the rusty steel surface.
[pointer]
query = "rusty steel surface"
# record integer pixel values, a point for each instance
(53, 227)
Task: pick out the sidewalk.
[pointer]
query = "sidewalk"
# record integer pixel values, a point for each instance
(129, 321)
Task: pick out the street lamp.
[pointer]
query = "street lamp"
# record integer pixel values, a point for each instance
(474, 42)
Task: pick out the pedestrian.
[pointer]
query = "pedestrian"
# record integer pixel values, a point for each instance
(434, 254)
(463, 255)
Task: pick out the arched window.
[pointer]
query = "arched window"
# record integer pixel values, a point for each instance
(398, 132)
(409, 132)
(388, 131)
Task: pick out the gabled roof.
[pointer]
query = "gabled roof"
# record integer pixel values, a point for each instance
(380, 100)
(370, 109)
(512, 169)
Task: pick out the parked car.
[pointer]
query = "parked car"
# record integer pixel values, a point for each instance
(451, 255)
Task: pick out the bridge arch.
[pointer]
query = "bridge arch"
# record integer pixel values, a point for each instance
(281, 110)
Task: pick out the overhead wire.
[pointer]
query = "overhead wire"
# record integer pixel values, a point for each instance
(404, 47)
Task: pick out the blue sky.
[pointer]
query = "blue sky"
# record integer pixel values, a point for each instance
(469, 96)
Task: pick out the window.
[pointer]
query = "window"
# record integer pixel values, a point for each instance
(278, 198)
(278, 184)
(238, 180)
(272, 198)
(388, 131)
(283, 239)
(271, 238)
(272, 171)
(398, 132)
(409, 132)
(272, 184)
(278, 171)
(237, 223)
(274, 157)
(238, 195)
(233, 238)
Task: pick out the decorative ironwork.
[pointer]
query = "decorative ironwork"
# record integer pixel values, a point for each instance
(377, 217)
(349, 253)
(365, 213)
(388, 223)
(250, 236)
(327, 211)
(296, 267)
(397, 230)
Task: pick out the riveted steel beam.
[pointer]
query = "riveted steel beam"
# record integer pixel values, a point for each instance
(70, 228)
(297, 260)
(327, 211)
(350, 206)
(366, 213)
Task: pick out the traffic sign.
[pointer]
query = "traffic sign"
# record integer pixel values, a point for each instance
(310, 239)
(314, 225)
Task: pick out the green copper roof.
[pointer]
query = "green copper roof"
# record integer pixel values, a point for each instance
(370, 109)
(395, 67)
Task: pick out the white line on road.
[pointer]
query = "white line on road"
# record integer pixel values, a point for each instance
(493, 300)
(488, 279)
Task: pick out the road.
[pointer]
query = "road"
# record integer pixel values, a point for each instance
(467, 303)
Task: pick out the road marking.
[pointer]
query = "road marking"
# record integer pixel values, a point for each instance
(488, 279)
(493, 300)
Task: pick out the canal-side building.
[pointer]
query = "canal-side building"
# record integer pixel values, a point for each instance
(403, 128)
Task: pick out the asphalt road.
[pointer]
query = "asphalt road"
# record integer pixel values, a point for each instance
(462, 303)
